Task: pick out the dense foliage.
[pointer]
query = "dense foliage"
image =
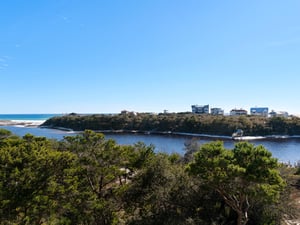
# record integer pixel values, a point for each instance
(87, 179)
(179, 122)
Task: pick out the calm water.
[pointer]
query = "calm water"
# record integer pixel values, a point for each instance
(286, 150)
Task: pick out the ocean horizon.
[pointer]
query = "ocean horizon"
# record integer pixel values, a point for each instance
(28, 117)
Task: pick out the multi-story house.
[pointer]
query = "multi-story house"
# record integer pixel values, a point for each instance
(200, 109)
(280, 114)
(216, 111)
(238, 112)
(259, 111)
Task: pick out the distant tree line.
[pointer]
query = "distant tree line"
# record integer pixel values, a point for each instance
(87, 179)
(179, 122)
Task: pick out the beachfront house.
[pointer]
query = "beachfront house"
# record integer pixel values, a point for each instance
(259, 111)
(238, 112)
(216, 111)
(200, 109)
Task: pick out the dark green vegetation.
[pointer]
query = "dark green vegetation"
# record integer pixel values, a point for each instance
(179, 122)
(87, 179)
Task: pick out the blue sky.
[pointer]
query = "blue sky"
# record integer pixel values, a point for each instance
(96, 56)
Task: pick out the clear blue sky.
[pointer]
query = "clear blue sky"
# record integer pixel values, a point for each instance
(96, 56)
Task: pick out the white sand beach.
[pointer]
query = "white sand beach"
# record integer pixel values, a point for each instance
(23, 123)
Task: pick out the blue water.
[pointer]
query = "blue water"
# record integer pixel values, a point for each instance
(49, 133)
(286, 150)
(27, 116)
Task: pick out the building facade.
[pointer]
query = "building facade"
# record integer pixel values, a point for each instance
(216, 111)
(200, 109)
(238, 112)
(259, 111)
(279, 114)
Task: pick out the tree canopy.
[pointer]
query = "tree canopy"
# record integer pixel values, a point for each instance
(178, 122)
(240, 176)
(88, 179)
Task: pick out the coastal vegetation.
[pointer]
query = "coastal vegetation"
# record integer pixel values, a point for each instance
(178, 122)
(88, 179)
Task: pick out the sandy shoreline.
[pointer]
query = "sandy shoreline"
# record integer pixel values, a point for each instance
(23, 123)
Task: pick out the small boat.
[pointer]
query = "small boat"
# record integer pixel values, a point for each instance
(239, 136)
(238, 133)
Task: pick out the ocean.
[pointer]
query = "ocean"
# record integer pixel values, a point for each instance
(24, 117)
(21, 124)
